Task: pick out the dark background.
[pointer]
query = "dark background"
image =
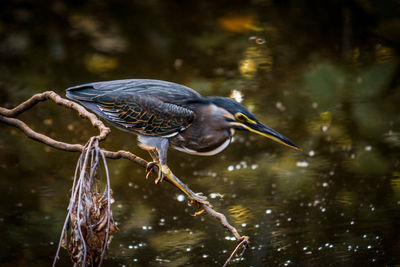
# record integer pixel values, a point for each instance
(323, 73)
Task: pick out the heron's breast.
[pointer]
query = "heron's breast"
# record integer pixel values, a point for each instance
(201, 147)
(201, 140)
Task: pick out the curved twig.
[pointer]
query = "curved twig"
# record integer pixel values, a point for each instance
(50, 95)
(120, 154)
(245, 243)
(41, 137)
(243, 240)
(223, 220)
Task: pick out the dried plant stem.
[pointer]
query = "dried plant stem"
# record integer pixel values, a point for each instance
(89, 213)
(108, 203)
(79, 211)
(73, 199)
(65, 226)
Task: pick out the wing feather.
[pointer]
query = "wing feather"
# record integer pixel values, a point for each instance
(144, 114)
(147, 107)
(165, 91)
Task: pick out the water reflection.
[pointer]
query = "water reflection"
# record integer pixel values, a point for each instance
(337, 203)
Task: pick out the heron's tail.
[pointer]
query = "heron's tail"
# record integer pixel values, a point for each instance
(82, 92)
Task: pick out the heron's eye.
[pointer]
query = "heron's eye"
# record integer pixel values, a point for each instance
(241, 117)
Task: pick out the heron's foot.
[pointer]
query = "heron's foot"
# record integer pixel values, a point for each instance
(160, 178)
(149, 169)
(199, 199)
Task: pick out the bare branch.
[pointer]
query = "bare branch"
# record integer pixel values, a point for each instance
(223, 220)
(50, 95)
(6, 116)
(41, 137)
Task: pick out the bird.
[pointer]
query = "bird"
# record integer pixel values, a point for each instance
(167, 115)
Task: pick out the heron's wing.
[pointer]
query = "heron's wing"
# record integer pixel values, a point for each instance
(167, 92)
(144, 114)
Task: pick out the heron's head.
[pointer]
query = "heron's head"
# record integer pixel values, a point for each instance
(242, 119)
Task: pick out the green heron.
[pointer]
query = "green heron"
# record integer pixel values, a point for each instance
(164, 114)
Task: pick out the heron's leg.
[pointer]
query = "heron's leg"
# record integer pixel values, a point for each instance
(199, 198)
(162, 155)
(154, 155)
(162, 149)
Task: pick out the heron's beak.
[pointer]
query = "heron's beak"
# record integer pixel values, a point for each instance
(264, 130)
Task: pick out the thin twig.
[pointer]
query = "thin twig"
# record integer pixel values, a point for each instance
(223, 220)
(244, 243)
(243, 240)
(69, 147)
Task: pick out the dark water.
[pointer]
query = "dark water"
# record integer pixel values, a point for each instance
(323, 73)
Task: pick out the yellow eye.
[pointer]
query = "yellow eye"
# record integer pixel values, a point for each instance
(241, 117)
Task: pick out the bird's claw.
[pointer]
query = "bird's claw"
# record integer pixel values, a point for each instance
(160, 178)
(199, 199)
(197, 213)
(149, 169)
(150, 166)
